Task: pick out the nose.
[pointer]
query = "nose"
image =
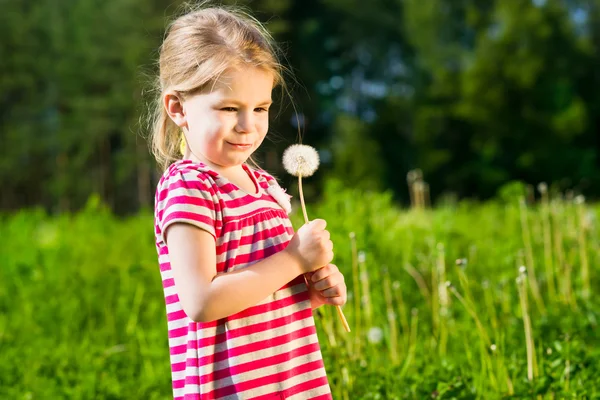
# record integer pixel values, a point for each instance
(245, 122)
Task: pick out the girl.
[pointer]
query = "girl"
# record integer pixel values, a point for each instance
(239, 311)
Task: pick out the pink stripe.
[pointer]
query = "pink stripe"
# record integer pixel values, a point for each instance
(269, 307)
(252, 347)
(178, 332)
(259, 254)
(177, 367)
(167, 283)
(164, 266)
(247, 199)
(269, 233)
(176, 315)
(178, 383)
(246, 220)
(171, 299)
(179, 182)
(308, 385)
(255, 328)
(188, 216)
(301, 387)
(262, 363)
(323, 396)
(254, 383)
(176, 350)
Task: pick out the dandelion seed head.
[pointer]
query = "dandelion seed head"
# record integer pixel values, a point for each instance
(352, 235)
(375, 335)
(542, 187)
(345, 376)
(448, 284)
(300, 159)
(462, 262)
(548, 351)
(396, 285)
(493, 347)
(519, 280)
(485, 284)
(361, 256)
(522, 269)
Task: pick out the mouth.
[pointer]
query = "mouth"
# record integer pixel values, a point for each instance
(240, 146)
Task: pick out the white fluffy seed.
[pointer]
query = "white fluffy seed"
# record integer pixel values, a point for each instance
(300, 159)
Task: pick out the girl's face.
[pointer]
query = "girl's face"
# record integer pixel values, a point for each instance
(225, 124)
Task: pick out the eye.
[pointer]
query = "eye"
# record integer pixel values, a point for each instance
(261, 109)
(229, 109)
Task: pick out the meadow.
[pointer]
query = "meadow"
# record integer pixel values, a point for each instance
(465, 301)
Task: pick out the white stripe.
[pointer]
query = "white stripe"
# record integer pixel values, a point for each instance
(281, 386)
(264, 335)
(260, 372)
(250, 248)
(319, 391)
(268, 352)
(178, 323)
(267, 316)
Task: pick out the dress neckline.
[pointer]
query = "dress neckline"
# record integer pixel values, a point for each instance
(200, 166)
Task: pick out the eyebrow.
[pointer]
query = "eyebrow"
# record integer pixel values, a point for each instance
(262, 103)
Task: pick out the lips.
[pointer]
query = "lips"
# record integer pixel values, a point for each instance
(240, 145)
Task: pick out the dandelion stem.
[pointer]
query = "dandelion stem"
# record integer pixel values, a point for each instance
(338, 308)
(585, 266)
(302, 198)
(531, 364)
(548, 247)
(535, 288)
(357, 296)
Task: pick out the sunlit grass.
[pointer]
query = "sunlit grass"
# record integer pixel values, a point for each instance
(434, 304)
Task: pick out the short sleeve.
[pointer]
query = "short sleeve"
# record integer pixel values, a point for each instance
(187, 197)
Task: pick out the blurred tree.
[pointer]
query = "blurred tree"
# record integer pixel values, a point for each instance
(507, 95)
(476, 93)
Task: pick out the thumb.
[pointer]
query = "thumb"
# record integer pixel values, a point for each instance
(318, 223)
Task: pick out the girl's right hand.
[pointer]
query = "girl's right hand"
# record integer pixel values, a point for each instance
(311, 245)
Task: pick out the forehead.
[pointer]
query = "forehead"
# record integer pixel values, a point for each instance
(249, 82)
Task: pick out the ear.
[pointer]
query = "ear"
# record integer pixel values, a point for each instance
(174, 107)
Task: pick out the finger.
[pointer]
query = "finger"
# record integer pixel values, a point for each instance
(323, 272)
(328, 245)
(336, 301)
(326, 235)
(334, 291)
(329, 282)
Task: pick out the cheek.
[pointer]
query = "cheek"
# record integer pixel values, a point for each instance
(263, 125)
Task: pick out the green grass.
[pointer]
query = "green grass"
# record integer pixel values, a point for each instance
(82, 314)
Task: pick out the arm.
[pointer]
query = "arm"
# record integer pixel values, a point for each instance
(206, 296)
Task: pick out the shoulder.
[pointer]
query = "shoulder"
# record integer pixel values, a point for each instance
(263, 176)
(188, 174)
(184, 180)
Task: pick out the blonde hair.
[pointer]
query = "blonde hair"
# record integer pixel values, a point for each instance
(198, 47)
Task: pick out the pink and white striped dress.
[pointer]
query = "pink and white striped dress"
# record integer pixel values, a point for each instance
(268, 351)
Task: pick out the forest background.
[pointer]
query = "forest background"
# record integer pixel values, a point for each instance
(474, 93)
